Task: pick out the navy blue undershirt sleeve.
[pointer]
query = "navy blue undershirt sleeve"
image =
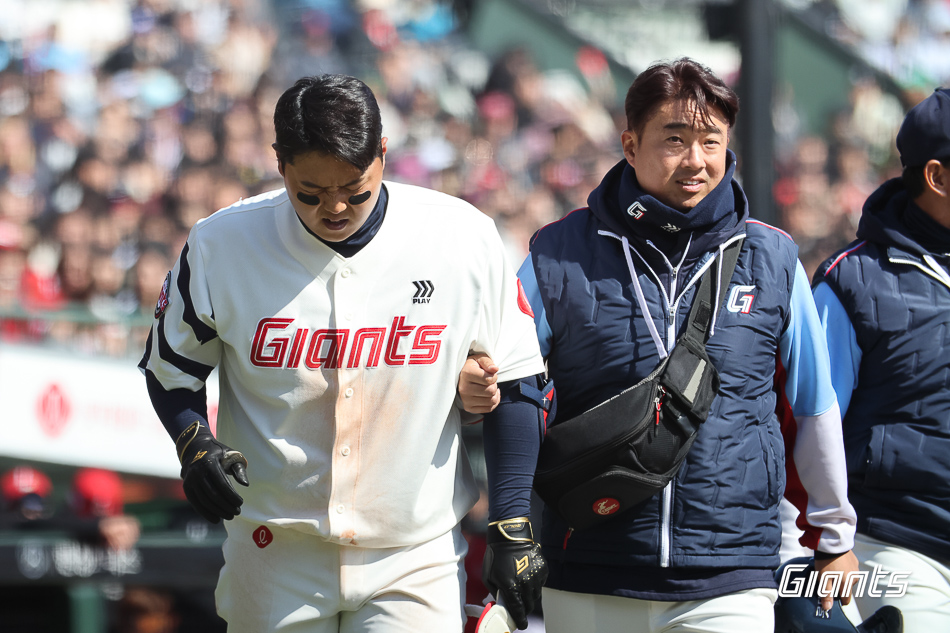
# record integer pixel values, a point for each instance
(512, 440)
(177, 408)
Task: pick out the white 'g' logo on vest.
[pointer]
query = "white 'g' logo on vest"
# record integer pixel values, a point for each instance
(740, 300)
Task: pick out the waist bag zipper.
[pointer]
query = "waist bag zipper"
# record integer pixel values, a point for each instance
(570, 531)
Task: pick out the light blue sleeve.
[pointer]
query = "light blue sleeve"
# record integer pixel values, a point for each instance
(842, 344)
(529, 282)
(804, 354)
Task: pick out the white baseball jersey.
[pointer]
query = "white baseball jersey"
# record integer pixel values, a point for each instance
(338, 375)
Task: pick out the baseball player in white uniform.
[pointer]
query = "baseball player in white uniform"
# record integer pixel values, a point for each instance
(338, 311)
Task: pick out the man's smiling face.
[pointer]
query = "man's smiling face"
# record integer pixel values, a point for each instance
(679, 158)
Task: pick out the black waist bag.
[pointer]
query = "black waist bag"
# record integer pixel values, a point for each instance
(623, 451)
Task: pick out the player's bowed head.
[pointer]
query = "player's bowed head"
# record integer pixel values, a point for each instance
(330, 153)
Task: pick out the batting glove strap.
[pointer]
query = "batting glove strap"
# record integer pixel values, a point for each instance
(205, 465)
(510, 530)
(513, 567)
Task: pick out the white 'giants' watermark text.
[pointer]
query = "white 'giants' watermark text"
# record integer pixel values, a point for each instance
(859, 583)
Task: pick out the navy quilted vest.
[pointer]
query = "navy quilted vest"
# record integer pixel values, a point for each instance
(897, 427)
(723, 510)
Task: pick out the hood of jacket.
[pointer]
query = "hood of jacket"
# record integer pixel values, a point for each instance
(891, 218)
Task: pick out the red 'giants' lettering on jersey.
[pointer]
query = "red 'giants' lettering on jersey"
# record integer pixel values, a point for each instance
(275, 345)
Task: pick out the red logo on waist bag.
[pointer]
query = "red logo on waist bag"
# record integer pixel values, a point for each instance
(606, 506)
(263, 537)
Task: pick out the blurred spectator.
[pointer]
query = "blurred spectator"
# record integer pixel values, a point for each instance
(96, 496)
(26, 495)
(146, 610)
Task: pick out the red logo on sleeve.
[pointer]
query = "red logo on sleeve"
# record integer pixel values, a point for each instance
(162, 304)
(523, 301)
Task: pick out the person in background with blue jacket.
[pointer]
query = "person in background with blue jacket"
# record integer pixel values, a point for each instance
(611, 286)
(884, 302)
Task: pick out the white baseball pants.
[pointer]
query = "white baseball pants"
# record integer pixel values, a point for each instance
(926, 605)
(750, 611)
(299, 583)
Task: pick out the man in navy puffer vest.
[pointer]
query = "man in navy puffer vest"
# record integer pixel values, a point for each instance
(884, 302)
(611, 286)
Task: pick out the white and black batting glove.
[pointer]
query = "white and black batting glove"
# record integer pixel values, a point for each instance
(205, 466)
(513, 568)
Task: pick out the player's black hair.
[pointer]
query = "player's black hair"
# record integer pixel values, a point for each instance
(332, 114)
(913, 177)
(679, 80)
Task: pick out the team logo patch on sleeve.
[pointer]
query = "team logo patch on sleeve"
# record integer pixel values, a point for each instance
(162, 304)
(523, 301)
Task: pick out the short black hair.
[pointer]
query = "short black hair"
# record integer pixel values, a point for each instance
(681, 80)
(913, 177)
(335, 115)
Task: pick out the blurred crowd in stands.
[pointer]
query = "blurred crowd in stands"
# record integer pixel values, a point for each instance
(823, 180)
(123, 122)
(907, 39)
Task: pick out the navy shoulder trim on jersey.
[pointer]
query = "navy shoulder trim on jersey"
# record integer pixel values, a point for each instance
(186, 365)
(148, 351)
(203, 332)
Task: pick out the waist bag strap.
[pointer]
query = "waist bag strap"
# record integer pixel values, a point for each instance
(688, 374)
(706, 301)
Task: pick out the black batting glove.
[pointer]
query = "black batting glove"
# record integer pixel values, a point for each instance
(205, 466)
(513, 568)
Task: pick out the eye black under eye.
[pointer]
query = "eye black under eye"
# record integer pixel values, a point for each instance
(360, 198)
(308, 199)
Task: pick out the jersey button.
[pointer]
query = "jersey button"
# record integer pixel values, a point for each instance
(345, 451)
(349, 392)
(345, 273)
(340, 509)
